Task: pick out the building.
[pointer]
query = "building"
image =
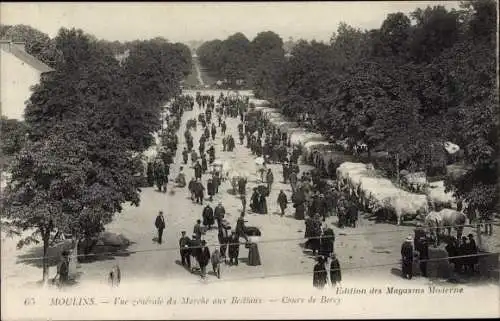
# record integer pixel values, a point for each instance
(19, 72)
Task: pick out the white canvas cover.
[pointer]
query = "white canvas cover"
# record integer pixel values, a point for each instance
(258, 102)
(300, 138)
(451, 148)
(381, 191)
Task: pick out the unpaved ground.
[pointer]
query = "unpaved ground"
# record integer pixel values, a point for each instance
(370, 250)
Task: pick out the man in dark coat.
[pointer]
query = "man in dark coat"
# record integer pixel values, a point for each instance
(204, 164)
(286, 172)
(471, 249)
(160, 225)
(407, 258)
(223, 236)
(223, 127)
(208, 216)
(194, 157)
(219, 214)
(242, 185)
(315, 242)
(240, 227)
(198, 170)
(197, 232)
(214, 131)
(224, 144)
(234, 249)
(185, 155)
(452, 250)
(192, 187)
(210, 189)
(352, 214)
(282, 201)
(254, 201)
(195, 249)
(327, 243)
(335, 274)
(185, 251)
(320, 275)
(160, 176)
(211, 154)
(199, 192)
(203, 258)
(262, 203)
(63, 269)
(269, 179)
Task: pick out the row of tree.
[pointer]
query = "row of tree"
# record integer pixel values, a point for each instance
(405, 88)
(237, 58)
(85, 128)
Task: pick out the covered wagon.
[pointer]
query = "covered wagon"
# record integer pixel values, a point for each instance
(378, 194)
(259, 102)
(300, 137)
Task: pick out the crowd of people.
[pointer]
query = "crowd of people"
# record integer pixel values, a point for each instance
(314, 197)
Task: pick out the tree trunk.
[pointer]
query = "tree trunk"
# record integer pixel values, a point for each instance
(397, 168)
(45, 265)
(73, 261)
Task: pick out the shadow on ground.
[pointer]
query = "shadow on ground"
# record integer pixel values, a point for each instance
(34, 257)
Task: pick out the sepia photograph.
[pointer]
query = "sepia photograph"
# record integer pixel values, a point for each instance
(249, 160)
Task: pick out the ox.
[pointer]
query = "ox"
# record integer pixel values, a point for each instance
(446, 218)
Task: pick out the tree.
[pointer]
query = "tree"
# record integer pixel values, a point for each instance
(12, 136)
(72, 181)
(473, 63)
(79, 165)
(436, 29)
(269, 74)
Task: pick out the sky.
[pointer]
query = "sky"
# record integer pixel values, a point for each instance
(183, 21)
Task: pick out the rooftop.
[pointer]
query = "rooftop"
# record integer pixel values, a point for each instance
(17, 49)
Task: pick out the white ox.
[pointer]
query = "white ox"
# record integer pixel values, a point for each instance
(377, 193)
(446, 218)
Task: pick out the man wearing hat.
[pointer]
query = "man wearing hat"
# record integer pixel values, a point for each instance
(407, 258)
(195, 250)
(160, 225)
(219, 213)
(282, 201)
(185, 251)
(234, 248)
(63, 269)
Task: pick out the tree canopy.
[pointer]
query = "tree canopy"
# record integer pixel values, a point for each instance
(406, 88)
(85, 126)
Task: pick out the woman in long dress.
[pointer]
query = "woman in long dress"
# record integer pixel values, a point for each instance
(253, 254)
(335, 274)
(320, 275)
